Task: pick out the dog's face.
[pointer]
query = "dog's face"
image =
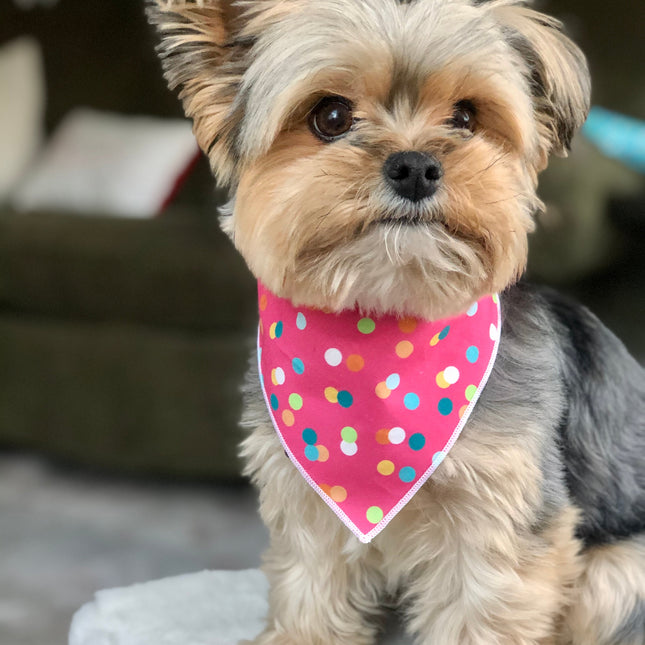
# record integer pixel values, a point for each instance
(381, 154)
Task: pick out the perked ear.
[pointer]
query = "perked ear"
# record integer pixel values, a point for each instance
(560, 80)
(202, 59)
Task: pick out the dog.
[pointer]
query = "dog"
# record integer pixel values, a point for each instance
(383, 157)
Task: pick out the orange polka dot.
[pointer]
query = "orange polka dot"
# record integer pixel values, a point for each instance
(404, 349)
(408, 325)
(288, 418)
(382, 390)
(263, 302)
(261, 328)
(331, 394)
(323, 453)
(462, 410)
(382, 436)
(326, 488)
(385, 467)
(355, 363)
(338, 494)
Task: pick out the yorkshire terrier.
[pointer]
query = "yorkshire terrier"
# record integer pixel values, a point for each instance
(383, 159)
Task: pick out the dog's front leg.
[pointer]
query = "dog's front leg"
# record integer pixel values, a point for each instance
(318, 595)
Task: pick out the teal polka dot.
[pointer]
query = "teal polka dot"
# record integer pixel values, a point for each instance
(407, 474)
(417, 441)
(445, 407)
(345, 399)
(311, 452)
(309, 436)
(411, 401)
(298, 366)
(443, 333)
(279, 328)
(301, 321)
(472, 354)
(274, 402)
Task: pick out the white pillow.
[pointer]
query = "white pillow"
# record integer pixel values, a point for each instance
(104, 163)
(22, 108)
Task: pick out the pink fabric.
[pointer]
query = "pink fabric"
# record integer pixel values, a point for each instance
(367, 408)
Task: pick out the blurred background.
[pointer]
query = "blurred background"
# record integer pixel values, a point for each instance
(126, 317)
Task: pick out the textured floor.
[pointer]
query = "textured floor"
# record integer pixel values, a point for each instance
(65, 535)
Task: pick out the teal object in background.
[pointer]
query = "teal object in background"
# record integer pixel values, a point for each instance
(618, 136)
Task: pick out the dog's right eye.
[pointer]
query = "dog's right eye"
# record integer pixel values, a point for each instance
(331, 118)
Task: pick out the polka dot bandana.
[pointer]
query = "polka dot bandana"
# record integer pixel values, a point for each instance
(368, 407)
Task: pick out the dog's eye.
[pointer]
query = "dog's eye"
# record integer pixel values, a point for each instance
(331, 118)
(463, 116)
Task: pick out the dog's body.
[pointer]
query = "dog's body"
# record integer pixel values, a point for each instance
(383, 155)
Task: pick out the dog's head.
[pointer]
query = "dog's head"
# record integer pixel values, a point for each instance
(381, 154)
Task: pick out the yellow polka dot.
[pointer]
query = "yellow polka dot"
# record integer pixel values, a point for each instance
(331, 394)
(288, 418)
(382, 436)
(323, 453)
(382, 390)
(404, 349)
(263, 302)
(274, 380)
(434, 340)
(441, 381)
(272, 330)
(385, 467)
(338, 494)
(355, 363)
(408, 325)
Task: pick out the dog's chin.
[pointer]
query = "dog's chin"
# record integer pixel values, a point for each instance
(409, 266)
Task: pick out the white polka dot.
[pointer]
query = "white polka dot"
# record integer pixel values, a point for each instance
(301, 321)
(473, 309)
(451, 374)
(333, 357)
(349, 449)
(396, 435)
(279, 376)
(494, 333)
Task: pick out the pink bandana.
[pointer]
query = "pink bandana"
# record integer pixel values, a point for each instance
(367, 408)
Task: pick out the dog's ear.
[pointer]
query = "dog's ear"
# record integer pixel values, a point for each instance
(203, 58)
(559, 75)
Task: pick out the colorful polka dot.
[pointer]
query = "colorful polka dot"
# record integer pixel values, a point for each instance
(472, 354)
(277, 376)
(385, 467)
(366, 325)
(301, 321)
(333, 357)
(274, 402)
(295, 401)
(311, 452)
(451, 374)
(349, 449)
(331, 394)
(434, 340)
(495, 298)
(438, 457)
(411, 401)
(382, 436)
(349, 434)
(445, 406)
(441, 381)
(404, 349)
(417, 441)
(407, 474)
(382, 390)
(263, 302)
(408, 325)
(338, 494)
(288, 418)
(355, 363)
(462, 410)
(471, 390)
(493, 332)
(374, 514)
(345, 399)
(393, 381)
(396, 435)
(323, 453)
(272, 330)
(309, 436)
(444, 332)
(298, 366)
(472, 310)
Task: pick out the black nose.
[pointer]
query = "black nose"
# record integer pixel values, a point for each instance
(413, 175)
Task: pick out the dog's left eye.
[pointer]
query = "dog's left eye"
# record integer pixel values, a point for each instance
(331, 118)
(464, 116)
